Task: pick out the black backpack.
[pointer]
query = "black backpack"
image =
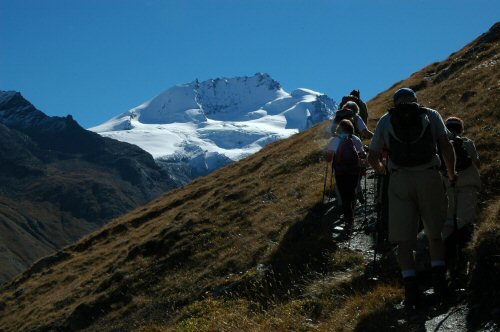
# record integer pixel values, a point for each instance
(462, 160)
(412, 143)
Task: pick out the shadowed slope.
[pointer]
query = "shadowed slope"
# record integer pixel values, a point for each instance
(59, 182)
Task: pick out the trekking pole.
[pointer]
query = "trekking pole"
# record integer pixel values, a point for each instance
(381, 215)
(378, 207)
(324, 184)
(455, 228)
(331, 180)
(365, 193)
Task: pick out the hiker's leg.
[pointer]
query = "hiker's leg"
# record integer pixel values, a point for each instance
(403, 213)
(466, 216)
(342, 187)
(466, 206)
(433, 205)
(437, 249)
(468, 185)
(347, 187)
(439, 282)
(406, 262)
(359, 190)
(406, 258)
(347, 192)
(403, 227)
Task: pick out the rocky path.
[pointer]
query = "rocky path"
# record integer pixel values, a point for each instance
(450, 317)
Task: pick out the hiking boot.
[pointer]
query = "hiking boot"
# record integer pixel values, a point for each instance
(440, 284)
(412, 293)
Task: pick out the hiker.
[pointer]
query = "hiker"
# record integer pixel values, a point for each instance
(355, 96)
(462, 195)
(350, 112)
(345, 151)
(412, 133)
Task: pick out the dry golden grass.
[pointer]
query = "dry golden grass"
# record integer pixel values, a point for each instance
(485, 255)
(373, 311)
(333, 301)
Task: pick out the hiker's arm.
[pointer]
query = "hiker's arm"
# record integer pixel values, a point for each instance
(448, 154)
(374, 161)
(363, 128)
(377, 145)
(367, 134)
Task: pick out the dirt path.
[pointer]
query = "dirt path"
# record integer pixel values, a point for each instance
(452, 317)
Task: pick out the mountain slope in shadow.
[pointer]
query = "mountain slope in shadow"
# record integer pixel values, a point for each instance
(59, 182)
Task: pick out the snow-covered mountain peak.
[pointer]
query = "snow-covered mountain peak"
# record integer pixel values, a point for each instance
(231, 98)
(198, 127)
(173, 105)
(223, 99)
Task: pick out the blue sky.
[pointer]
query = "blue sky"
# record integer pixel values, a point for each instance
(95, 59)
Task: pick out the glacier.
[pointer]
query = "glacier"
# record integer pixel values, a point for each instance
(195, 128)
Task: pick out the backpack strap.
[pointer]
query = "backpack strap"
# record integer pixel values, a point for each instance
(425, 123)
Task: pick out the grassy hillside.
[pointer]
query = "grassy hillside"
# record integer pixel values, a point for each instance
(246, 248)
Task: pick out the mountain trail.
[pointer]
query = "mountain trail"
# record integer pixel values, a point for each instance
(382, 267)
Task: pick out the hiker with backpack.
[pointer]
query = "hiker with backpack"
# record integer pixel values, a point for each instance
(355, 96)
(462, 196)
(412, 134)
(345, 150)
(350, 112)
